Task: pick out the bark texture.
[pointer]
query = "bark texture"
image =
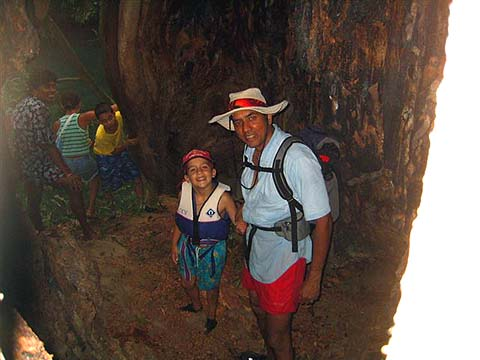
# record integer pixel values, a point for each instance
(367, 71)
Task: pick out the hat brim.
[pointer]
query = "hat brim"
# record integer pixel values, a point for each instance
(224, 119)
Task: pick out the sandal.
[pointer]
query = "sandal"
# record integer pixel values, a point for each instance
(190, 308)
(210, 324)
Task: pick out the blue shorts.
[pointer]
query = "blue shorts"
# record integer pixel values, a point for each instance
(116, 169)
(83, 166)
(204, 263)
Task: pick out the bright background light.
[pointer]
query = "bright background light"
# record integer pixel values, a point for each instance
(438, 314)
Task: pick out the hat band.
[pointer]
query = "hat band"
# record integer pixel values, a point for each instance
(240, 103)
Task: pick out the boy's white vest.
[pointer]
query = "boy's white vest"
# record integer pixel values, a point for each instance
(211, 226)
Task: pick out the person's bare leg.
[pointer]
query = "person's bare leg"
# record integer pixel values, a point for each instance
(261, 320)
(192, 292)
(212, 302)
(34, 199)
(93, 187)
(139, 189)
(279, 335)
(78, 208)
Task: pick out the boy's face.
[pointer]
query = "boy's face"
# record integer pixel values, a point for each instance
(200, 172)
(108, 121)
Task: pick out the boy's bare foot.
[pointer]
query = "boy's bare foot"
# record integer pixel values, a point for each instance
(91, 214)
(88, 233)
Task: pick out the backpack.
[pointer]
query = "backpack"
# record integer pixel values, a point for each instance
(327, 151)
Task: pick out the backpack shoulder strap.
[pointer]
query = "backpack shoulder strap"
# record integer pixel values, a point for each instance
(284, 189)
(279, 178)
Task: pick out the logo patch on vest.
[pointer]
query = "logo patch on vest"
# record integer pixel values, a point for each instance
(210, 212)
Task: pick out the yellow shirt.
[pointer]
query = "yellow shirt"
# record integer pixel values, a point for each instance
(105, 142)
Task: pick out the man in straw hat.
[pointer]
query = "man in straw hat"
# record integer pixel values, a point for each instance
(275, 274)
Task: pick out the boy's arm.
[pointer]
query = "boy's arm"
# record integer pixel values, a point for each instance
(85, 118)
(227, 204)
(176, 233)
(175, 237)
(240, 224)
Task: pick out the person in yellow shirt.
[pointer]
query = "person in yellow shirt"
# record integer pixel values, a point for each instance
(111, 149)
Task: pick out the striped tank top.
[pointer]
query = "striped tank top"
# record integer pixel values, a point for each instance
(75, 140)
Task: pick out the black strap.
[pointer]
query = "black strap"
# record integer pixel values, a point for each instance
(248, 244)
(284, 189)
(196, 216)
(248, 164)
(282, 186)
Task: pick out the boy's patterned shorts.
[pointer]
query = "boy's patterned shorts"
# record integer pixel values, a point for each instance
(204, 263)
(115, 170)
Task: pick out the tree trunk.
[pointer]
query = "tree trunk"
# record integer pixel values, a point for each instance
(367, 71)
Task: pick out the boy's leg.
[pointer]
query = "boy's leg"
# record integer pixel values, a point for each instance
(192, 292)
(212, 302)
(93, 187)
(34, 198)
(78, 209)
(77, 206)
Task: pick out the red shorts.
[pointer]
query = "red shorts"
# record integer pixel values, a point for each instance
(282, 296)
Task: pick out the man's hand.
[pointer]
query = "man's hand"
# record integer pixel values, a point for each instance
(310, 291)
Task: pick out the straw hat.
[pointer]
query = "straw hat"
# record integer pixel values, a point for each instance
(249, 99)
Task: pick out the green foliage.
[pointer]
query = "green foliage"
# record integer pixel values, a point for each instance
(78, 11)
(55, 207)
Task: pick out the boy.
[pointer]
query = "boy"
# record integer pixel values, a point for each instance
(200, 230)
(114, 163)
(74, 144)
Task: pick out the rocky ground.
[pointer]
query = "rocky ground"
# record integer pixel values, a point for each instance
(122, 292)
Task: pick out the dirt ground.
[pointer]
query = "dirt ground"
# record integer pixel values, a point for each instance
(142, 296)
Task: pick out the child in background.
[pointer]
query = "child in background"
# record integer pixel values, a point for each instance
(201, 228)
(111, 149)
(74, 143)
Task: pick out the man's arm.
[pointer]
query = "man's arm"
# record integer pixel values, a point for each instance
(55, 127)
(321, 243)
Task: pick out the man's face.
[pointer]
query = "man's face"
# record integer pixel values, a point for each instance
(46, 92)
(253, 128)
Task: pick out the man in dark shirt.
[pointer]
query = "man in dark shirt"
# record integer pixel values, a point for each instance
(33, 148)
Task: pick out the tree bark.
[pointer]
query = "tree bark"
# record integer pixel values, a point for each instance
(367, 71)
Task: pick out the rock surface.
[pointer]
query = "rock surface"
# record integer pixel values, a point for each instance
(117, 297)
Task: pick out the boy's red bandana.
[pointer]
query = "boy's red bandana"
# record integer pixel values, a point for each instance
(195, 153)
